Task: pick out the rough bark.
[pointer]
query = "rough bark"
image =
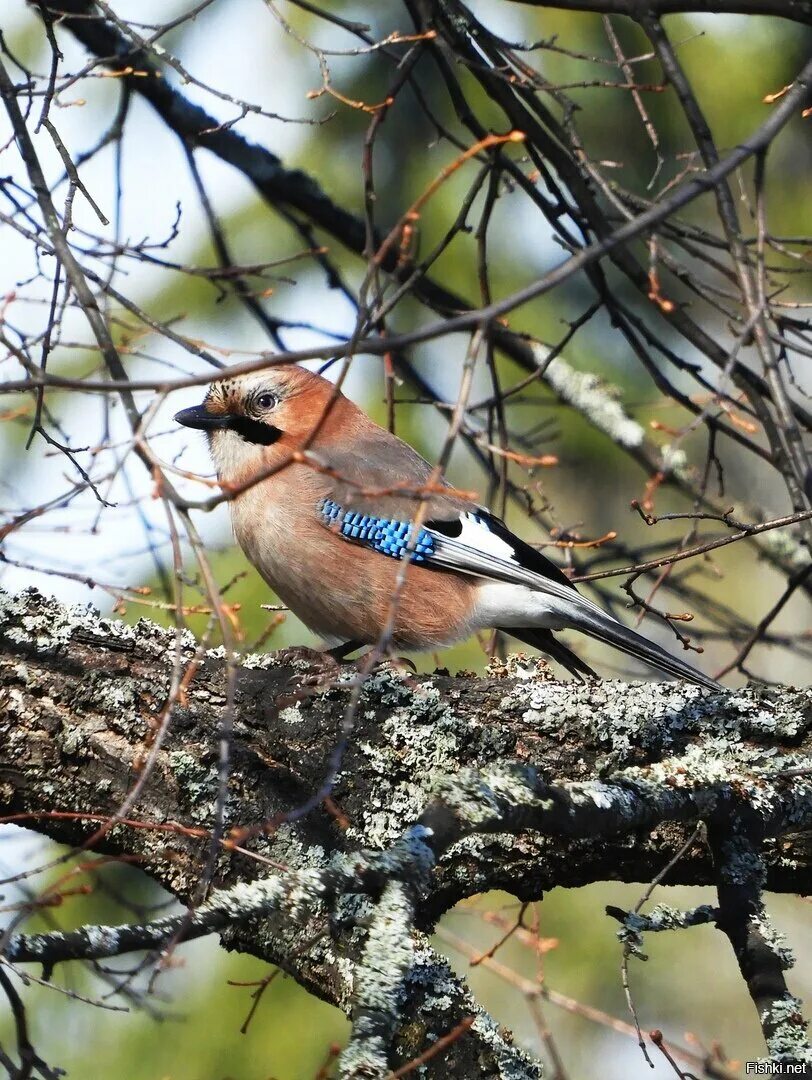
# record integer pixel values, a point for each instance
(79, 696)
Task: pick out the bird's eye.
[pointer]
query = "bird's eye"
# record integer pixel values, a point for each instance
(266, 401)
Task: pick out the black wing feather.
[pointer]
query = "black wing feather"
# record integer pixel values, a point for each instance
(525, 555)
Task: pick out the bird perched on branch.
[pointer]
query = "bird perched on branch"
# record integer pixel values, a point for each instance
(342, 520)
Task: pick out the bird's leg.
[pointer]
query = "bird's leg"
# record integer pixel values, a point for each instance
(342, 651)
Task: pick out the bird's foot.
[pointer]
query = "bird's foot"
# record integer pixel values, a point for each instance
(403, 663)
(312, 672)
(308, 661)
(386, 662)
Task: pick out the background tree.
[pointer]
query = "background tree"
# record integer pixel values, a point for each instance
(562, 247)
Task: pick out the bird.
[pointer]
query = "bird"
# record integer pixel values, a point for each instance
(361, 539)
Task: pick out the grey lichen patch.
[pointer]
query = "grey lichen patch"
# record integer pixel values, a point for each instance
(470, 853)
(295, 897)
(29, 618)
(662, 917)
(721, 772)
(658, 717)
(380, 984)
(364, 1059)
(467, 796)
(598, 401)
(298, 896)
(35, 621)
(290, 848)
(741, 863)
(796, 804)
(786, 1039)
(432, 975)
(292, 714)
(117, 695)
(627, 717)
(786, 545)
(700, 765)
(785, 718)
(775, 941)
(260, 661)
(388, 685)
(420, 736)
(511, 1063)
(431, 981)
(673, 459)
(74, 740)
(479, 798)
(102, 938)
(389, 953)
(114, 696)
(197, 783)
(608, 713)
(428, 985)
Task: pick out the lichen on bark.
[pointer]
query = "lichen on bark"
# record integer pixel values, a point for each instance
(639, 762)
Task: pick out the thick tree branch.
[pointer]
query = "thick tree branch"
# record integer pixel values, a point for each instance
(516, 783)
(796, 10)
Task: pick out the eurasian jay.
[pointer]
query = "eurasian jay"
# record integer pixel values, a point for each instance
(329, 529)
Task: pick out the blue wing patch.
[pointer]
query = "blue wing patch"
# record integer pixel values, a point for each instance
(475, 543)
(381, 534)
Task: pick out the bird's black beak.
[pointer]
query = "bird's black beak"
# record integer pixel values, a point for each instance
(200, 417)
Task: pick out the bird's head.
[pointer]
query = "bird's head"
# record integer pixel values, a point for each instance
(244, 415)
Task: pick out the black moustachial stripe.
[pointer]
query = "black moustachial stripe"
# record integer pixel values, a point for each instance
(254, 431)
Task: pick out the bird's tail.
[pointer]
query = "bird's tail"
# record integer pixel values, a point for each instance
(597, 624)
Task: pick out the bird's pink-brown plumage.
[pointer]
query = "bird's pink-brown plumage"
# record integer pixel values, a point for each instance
(322, 500)
(275, 521)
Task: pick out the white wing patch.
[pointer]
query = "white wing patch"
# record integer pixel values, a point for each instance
(477, 536)
(514, 595)
(480, 551)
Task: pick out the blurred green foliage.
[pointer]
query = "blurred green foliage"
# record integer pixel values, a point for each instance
(189, 1027)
